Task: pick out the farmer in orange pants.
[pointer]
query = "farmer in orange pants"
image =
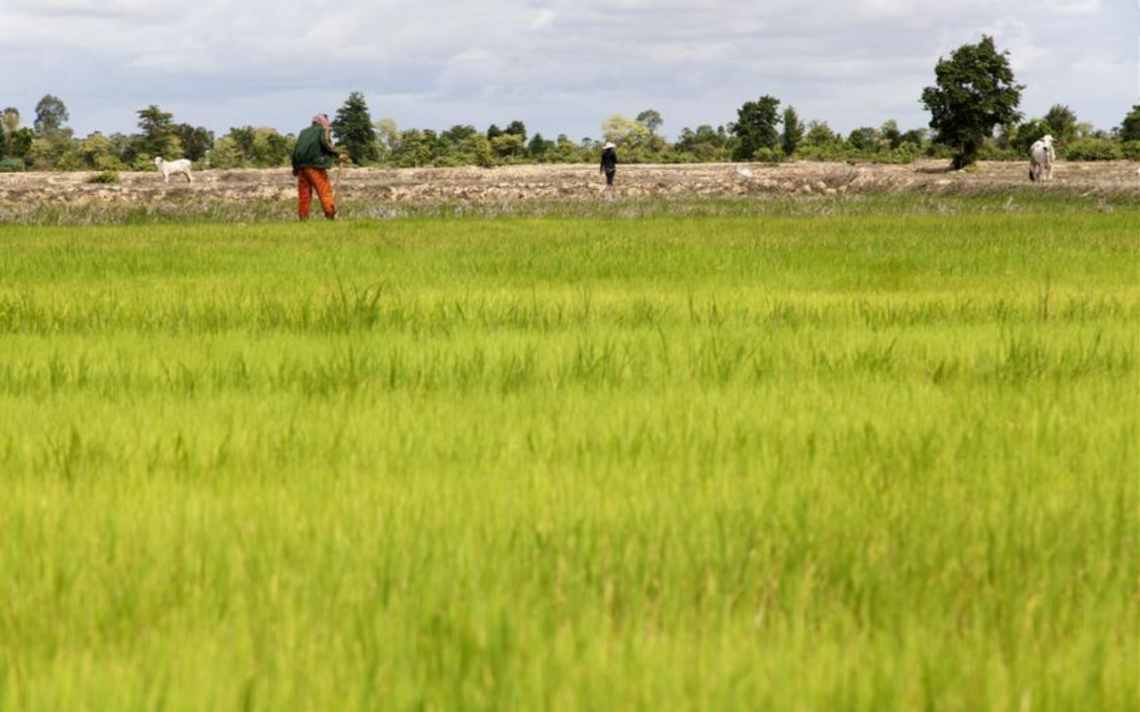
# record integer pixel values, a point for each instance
(312, 157)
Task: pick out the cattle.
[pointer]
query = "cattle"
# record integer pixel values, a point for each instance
(1041, 159)
(169, 168)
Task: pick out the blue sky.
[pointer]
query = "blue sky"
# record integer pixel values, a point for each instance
(562, 66)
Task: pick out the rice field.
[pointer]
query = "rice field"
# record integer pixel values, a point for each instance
(773, 462)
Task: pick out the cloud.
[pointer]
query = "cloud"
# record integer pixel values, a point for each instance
(560, 65)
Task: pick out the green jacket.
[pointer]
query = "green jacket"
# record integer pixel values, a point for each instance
(313, 150)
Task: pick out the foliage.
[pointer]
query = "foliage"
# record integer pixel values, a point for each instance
(97, 153)
(651, 119)
(974, 92)
(12, 165)
(867, 463)
(51, 115)
(1092, 149)
(1130, 150)
(196, 141)
(159, 137)
(1130, 128)
(354, 131)
(755, 127)
(624, 132)
(793, 131)
(516, 128)
(1062, 122)
(107, 176)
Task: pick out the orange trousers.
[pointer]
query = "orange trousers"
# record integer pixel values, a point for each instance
(308, 180)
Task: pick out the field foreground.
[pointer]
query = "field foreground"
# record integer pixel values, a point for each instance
(780, 463)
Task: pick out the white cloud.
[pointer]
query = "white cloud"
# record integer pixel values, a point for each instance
(560, 65)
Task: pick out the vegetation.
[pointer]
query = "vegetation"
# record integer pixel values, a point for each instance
(782, 463)
(353, 130)
(974, 92)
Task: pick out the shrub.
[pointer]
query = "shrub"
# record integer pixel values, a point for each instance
(107, 176)
(768, 155)
(11, 165)
(1131, 150)
(1093, 149)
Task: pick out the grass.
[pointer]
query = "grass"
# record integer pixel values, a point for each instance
(870, 462)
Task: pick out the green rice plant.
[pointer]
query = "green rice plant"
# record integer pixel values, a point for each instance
(877, 460)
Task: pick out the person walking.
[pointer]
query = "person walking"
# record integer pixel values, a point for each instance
(609, 162)
(312, 157)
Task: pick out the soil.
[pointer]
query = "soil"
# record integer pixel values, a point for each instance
(573, 182)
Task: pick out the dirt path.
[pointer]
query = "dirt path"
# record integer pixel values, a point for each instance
(557, 182)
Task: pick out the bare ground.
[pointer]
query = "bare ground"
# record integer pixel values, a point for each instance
(573, 182)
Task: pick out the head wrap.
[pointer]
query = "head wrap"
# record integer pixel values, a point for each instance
(323, 120)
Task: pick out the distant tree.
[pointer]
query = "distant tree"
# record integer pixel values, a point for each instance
(97, 154)
(974, 92)
(493, 132)
(1130, 128)
(538, 147)
(509, 145)
(51, 115)
(353, 130)
(914, 137)
(458, 133)
(195, 140)
(890, 133)
(387, 137)
(863, 138)
(1062, 121)
(158, 136)
(793, 130)
(819, 134)
(755, 127)
(516, 128)
(621, 130)
(651, 119)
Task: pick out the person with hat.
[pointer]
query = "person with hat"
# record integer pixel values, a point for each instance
(609, 161)
(312, 157)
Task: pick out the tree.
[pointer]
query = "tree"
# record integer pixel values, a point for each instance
(158, 138)
(195, 140)
(516, 128)
(864, 138)
(353, 129)
(538, 147)
(974, 92)
(1062, 122)
(51, 115)
(651, 119)
(819, 134)
(755, 127)
(889, 132)
(493, 132)
(793, 130)
(1130, 128)
(96, 153)
(622, 130)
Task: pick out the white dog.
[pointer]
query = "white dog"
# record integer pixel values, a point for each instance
(1041, 159)
(169, 168)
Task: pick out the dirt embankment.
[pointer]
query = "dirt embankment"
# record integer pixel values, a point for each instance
(553, 183)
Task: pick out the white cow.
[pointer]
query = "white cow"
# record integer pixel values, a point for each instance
(1041, 159)
(169, 168)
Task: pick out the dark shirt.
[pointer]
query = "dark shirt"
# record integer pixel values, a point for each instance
(313, 149)
(609, 160)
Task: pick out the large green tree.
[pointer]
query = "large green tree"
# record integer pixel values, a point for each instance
(195, 140)
(755, 127)
(974, 91)
(158, 136)
(793, 130)
(354, 130)
(51, 115)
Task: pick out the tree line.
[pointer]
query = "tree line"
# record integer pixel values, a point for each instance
(973, 105)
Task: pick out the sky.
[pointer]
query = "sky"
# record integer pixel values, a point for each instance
(561, 66)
